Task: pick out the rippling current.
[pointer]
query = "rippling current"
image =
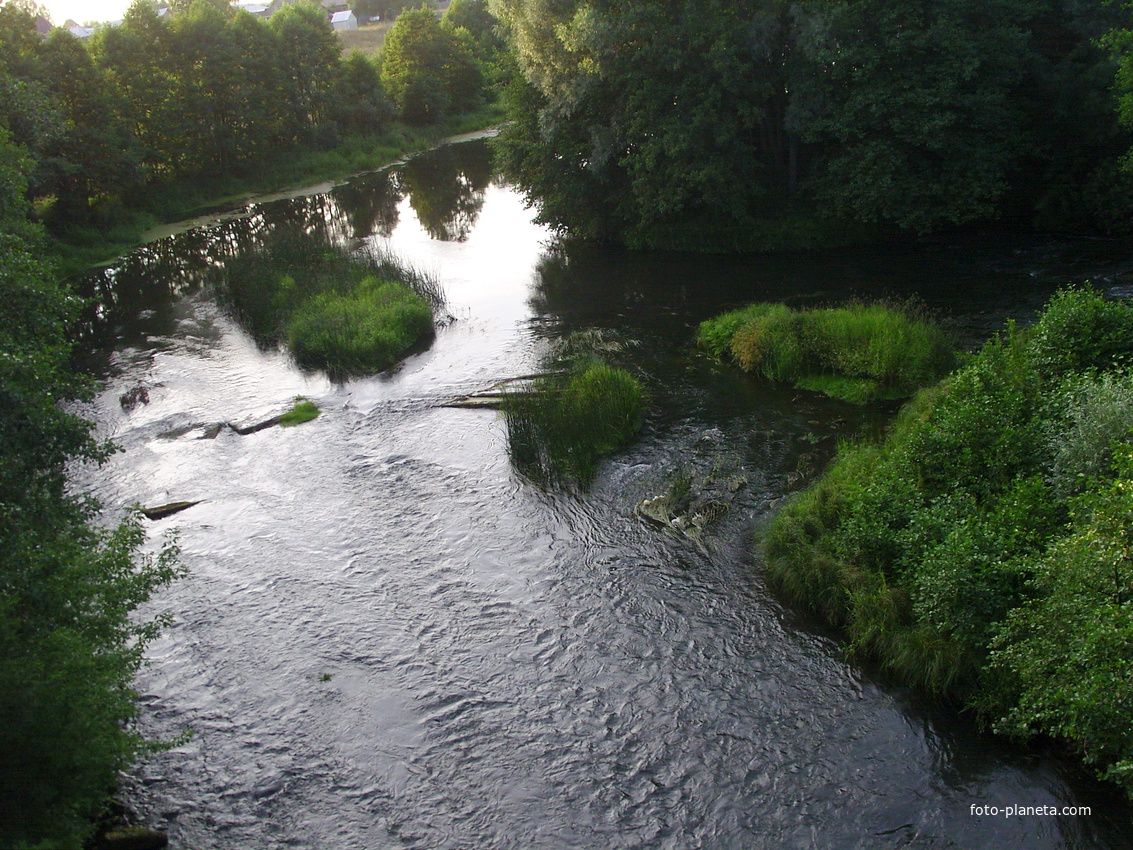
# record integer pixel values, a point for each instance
(388, 638)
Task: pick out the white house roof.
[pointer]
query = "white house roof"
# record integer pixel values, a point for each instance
(338, 17)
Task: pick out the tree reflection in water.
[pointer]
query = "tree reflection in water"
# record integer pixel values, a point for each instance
(446, 188)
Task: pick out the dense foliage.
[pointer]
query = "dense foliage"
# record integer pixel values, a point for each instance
(69, 646)
(336, 311)
(638, 121)
(859, 352)
(982, 550)
(563, 424)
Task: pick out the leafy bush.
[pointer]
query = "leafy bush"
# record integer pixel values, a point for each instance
(1080, 330)
(1065, 656)
(562, 425)
(947, 551)
(1094, 412)
(858, 352)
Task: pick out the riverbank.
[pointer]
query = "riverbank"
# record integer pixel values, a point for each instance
(980, 552)
(164, 209)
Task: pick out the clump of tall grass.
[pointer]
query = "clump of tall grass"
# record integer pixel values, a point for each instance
(563, 424)
(859, 352)
(365, 330)
(343, 312)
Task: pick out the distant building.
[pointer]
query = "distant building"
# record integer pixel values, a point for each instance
(260, 10)
(344, 20)
(77, 31)
(42, 26)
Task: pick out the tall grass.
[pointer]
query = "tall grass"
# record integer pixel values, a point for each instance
(345, 313)
(365, 330)
(857, 352)
(562, 425)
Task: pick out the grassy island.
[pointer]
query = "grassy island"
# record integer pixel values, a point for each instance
(858, 353)
(983, 549)
(344, 313)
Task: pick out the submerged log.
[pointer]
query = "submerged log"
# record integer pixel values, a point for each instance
(162, 511)
(492, 397)
(245, 430)
(132, 838)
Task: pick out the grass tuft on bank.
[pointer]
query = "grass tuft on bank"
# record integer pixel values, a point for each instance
(561, 426)
(860, 353)
(981, 551)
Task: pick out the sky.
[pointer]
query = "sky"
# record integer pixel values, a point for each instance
(85, 10)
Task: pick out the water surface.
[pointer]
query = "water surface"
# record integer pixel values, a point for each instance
(389, 638)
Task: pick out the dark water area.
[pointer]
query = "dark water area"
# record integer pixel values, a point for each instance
(391, 639)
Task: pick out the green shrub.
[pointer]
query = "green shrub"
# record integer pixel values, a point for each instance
(1065, 656)
(1093, 413)
(860, 352)
(1080, 329)
(957, 553)
(562, 425)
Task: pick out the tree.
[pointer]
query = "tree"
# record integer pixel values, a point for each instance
(309, 61)
(137, 57)
(426, 70)
(474, 17)
(94, 157)
(69, 647)
(916, 104)
(363, 106)
(661, 110)
(645, 117)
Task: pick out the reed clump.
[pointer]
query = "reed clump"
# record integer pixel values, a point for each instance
(859, 352)
(563, 424)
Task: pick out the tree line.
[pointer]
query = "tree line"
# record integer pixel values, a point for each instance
(917, 115)
(212, 90)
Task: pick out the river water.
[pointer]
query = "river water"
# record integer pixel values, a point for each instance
(390, 638)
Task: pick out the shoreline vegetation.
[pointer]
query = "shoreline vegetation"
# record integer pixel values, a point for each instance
(193, 197)
(981, 550)
(859, 353)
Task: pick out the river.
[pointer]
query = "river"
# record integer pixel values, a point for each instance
(389, 638)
